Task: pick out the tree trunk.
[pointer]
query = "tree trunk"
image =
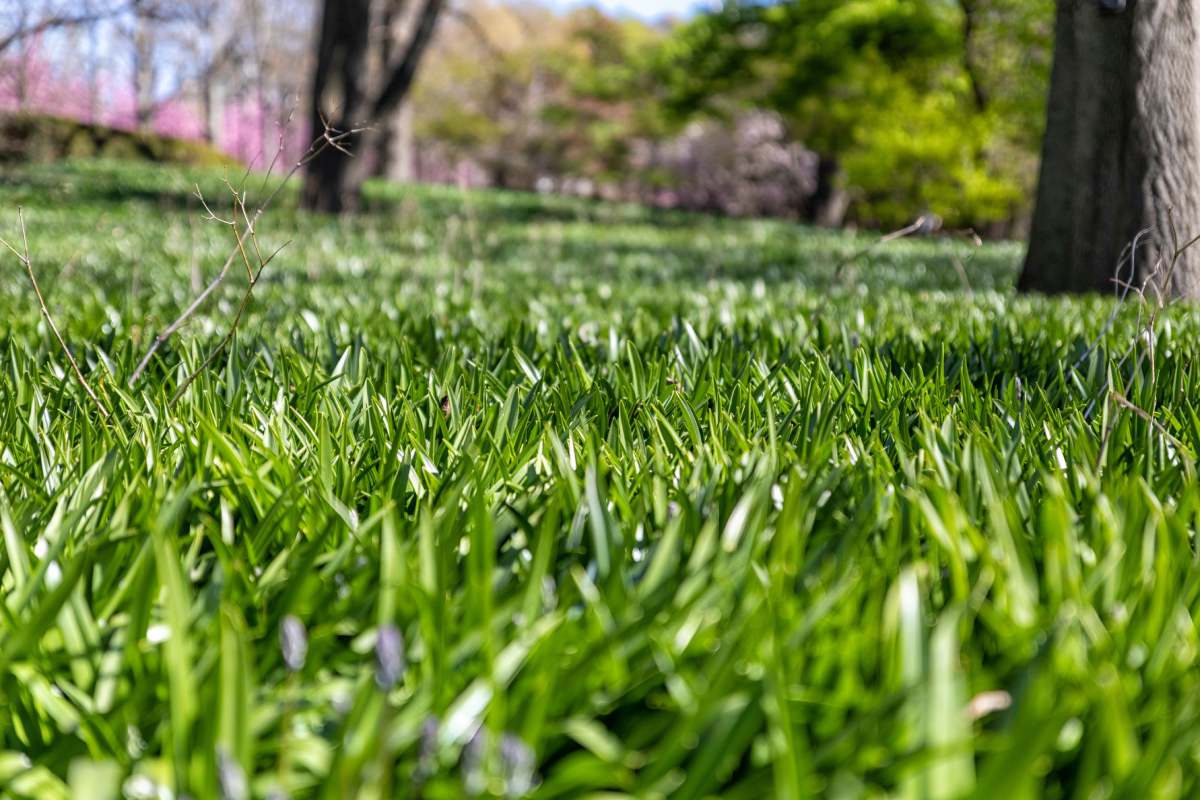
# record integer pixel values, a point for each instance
(396, 146)
(341, 68)
(970, 12)
(22, 87)
(354, 75)
(1121, 153)
(93, 75)
(144, 73)
(327, 183)
(258, 60)
(210, 108)
(830, 202)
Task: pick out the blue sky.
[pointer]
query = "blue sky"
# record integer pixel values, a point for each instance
(643, 8)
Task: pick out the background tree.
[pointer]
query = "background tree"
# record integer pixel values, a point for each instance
(869, 112)
(895, 97)
(24, 24)
(360, 78)
(609, 95)
(481, 102)
(1122, 150)
(572, 103)
(22, 20)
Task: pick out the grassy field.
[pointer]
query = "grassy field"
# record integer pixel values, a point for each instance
(509, 496)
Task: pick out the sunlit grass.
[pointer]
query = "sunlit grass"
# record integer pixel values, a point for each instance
(643, 504)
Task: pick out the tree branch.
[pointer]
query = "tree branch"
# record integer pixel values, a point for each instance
(329, 138)
(28, 263)
(970, 66)
(57, 21)
(476, 29)
(400, 75)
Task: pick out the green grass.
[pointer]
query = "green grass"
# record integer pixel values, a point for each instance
(660, 505)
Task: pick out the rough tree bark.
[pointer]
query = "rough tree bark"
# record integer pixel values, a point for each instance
(1122, 148)
(357, 84)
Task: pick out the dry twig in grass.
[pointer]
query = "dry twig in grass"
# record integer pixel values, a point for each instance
(1125, 403)
(1158, 280)
(25, 260)
(926, 223)
(253, 273)
(1125, 286)
(328, 138)
(976, 242)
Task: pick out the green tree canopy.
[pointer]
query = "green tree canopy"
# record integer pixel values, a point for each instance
(925, 105)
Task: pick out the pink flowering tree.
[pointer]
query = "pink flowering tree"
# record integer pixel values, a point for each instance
(33, 82)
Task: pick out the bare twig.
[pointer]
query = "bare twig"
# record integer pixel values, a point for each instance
(28, 263)
(283, 129)
(962, 273)
(1129, 253)
(57, 21)
(1125, 403)
(228, 337)
(960, 268)
(1156, 279)
(926, 223)
(193, 260)
(328, 138)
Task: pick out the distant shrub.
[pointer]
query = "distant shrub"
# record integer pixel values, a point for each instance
(81, 145)
(42, 138)
(749, 169)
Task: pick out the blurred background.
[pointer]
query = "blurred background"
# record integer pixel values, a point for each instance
(861, 113)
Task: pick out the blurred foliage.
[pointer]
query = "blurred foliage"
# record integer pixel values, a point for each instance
(925, 104)
(914, 105)
(525, 93)
(611, 92)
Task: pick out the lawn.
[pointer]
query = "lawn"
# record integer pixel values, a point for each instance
(503, 495)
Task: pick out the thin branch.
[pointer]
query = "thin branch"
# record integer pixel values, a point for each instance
(1146, 329)
(60, 21)
(28, 263)
(1130, 253)
(1125, 403)
(477, 31)
(400, 74)
(283, 129)
(209, 214)
(960, 268)
(923, 224)
(237, 318)
(328, 138)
